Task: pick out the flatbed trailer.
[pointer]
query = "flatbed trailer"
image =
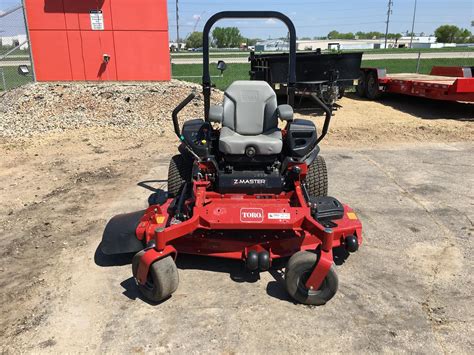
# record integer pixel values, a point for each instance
(443, 83)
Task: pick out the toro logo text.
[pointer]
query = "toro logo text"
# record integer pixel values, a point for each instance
(251, 215)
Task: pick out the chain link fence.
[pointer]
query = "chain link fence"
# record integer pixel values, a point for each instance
(14, 47)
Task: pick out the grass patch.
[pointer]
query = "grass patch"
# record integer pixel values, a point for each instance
(235, 71)
(409, 65)
(416, 50)
(234, 54)
(240, 71)
(12, 78)
(17, 51)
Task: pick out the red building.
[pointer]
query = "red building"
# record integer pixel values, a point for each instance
(99, 39)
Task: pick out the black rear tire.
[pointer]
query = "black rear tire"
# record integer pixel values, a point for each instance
(372, 86)
(297, 271)
(162, 280)
(361, 85)
(179, 172)
(317, 178)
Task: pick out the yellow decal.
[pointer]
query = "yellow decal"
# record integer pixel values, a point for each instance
(160, 219)
(351, 215)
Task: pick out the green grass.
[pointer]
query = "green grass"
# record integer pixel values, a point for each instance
(235, 71)
(211, 54)
(18, 51)
(240, 71)
(231, 54)
(409, 65)
(10, 59)
(12, 78)
(414, 50)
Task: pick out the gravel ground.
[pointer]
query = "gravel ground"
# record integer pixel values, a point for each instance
(142, 109)
(39, 108)
(73, 155)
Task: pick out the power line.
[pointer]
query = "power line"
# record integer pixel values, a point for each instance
(389, 12)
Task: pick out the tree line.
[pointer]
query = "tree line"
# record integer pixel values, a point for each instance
(222, 37)
(230, 37)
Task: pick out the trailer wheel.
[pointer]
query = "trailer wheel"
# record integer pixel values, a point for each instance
(372, 85)
(179, 172)
(162, 279)
(297, 272)
(361, 87)
(317, 178)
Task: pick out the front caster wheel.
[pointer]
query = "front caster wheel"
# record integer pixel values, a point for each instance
(162, 279)
(297, 272)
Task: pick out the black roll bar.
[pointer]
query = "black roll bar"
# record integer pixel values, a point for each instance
(206, 79)
(178, 108)
(327, 120)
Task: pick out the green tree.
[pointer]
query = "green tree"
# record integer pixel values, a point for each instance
(252, 41)
(227, 37)
(194, 40)
(446, 33)
(452, 34)
(333, 34)
(339, 35)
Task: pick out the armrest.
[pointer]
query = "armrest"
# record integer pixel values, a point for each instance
(216, 114)
(285, 112)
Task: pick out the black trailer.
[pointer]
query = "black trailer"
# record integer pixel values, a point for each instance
(325, 76)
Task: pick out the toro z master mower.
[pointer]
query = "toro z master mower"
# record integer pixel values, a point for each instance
(242, 188)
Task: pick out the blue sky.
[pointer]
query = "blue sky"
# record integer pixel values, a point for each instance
(315, 18)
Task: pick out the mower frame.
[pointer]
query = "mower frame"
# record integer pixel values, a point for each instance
(286, 215)
(255, 227)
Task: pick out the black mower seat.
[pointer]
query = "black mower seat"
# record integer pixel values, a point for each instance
(250, 119)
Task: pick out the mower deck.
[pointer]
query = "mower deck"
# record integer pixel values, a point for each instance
(279, 224)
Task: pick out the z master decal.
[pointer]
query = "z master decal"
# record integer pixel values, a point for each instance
(251, 215)
(249, 181)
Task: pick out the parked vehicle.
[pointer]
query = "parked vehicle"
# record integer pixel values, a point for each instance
(325, 76)
(443, 83)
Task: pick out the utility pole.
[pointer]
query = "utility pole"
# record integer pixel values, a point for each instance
(389, 12)
(177, 26)
(413, 26)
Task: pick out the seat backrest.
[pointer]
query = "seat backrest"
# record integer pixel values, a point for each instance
(250, 107)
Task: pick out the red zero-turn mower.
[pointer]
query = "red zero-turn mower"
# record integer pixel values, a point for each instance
(247, 190)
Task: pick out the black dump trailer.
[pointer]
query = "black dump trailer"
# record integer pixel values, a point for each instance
(322, 76)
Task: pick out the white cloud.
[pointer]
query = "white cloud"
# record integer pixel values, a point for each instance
(270, 21)
(196, 16)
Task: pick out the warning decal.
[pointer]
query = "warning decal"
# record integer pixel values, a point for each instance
(97, 20)
(279, 216)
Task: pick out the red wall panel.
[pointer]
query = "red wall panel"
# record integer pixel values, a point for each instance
(45, 14)
(65, 47)
(147, 50)
(76, 55)
(139, 15)
(96, 44)
(77, 14)
(58, 65)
